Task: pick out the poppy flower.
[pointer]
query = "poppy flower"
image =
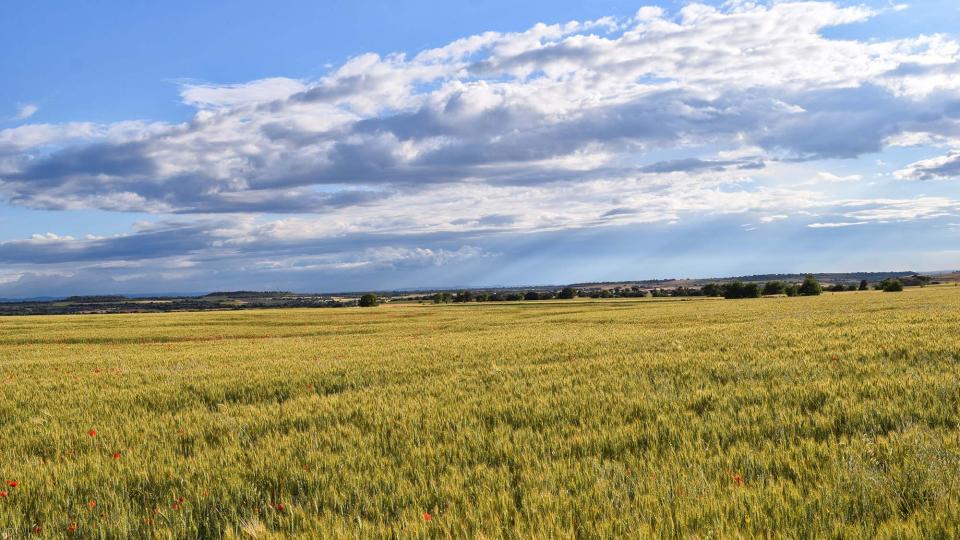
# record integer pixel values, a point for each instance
(279, 507)
(116, 455)
(72, 528)
(427, 516)
(12, 483)
(3, 494)
(738, 479)
(92, 504)
(92, 433)
(37, 530)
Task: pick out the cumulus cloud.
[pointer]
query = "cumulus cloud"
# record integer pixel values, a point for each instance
(555, 103)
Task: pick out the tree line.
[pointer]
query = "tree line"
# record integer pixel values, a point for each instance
(810, 286)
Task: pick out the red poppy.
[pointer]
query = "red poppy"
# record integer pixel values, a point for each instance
(738, 479)
(92, 504)
(3, 494)
(72, 527)
(37, 530)
(279, 507)
(427, 516)
(116, 455)
(180, 500)
(12, 483)
(92, 433)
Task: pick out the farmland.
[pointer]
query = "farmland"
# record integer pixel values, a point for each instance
(798, 417)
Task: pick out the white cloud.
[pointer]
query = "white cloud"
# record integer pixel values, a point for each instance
(830, 177)
(25, 111)
(648, 13)
(938, 168)
(771, 219)
(554, 103)
(235, 95)
(836, 225)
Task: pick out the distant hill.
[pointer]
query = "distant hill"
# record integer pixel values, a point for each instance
(825, 277)
(249, 294)
(95, 299)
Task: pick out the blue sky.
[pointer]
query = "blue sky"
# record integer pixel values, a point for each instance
(317, 146)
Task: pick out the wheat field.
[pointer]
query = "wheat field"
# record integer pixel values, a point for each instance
(832, 416)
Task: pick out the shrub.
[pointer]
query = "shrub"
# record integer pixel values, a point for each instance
(863, 285)
(567, 293)
(810, 286)
(369, 300)
(892, 285)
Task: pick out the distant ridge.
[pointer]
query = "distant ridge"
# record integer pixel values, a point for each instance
(829, 277)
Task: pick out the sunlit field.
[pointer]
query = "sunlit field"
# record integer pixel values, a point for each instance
(831, 416)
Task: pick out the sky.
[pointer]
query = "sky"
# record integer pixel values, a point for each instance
(150, 147)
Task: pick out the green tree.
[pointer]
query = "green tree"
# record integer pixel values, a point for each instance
(810, 286)
(369, 300)
(733, 290)
(712, 289)
(892, 285)
(774, 287)
(863, 285)
(751, 290)
(567, 293)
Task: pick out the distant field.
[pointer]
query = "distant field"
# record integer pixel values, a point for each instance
(832, 416)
